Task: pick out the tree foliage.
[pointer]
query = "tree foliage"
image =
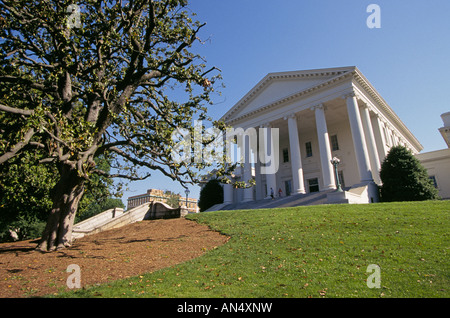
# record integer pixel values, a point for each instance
(172, 199)
(404, 178)
(98, 206)
(211, 194)
(117, 86)
(25, 196)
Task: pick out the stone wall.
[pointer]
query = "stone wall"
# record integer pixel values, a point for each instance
(115, 218)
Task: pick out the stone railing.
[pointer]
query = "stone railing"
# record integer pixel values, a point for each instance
(357, 194)
(98, 219)
(115, 218)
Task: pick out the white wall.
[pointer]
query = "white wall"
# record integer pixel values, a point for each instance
(437, 164)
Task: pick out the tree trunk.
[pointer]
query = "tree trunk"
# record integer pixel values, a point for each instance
(66, 196)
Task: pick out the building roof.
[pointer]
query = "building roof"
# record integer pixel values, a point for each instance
(281, 88)
(445, 131)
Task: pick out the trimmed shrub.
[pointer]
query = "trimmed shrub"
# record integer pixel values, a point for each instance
(404, 178)
(211, 194)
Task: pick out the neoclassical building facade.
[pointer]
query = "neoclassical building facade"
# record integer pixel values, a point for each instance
(437, 162)
(319, 115)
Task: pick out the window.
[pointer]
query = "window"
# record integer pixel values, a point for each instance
(285, 155)
(308, 149)
(433, 178)
(334, 143)
(313, 185)
(287, 187)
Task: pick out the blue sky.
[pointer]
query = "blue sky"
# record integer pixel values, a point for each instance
(407, 60)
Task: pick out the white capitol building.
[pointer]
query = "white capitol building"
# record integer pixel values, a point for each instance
(322, 114)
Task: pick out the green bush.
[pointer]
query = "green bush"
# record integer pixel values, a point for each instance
(404, 178)
(95, 208)
(25, 196)
(211, 194)
(24, 228)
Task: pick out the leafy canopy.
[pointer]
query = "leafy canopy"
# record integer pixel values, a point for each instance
(117, 85)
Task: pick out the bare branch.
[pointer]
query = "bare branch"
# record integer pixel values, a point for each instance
(144, 163)
(120, 175)
(17, 147)
(8, 109)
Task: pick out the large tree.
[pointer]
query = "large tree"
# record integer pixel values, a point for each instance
(100, 78)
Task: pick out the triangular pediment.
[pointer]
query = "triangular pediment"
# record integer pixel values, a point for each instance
(277, 86)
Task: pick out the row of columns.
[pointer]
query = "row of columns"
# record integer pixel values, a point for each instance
(364, 143)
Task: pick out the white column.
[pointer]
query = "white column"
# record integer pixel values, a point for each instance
(267, 146)
(371, 143)
(258, 181)
(298, 185)
(359, 142)
(228, 193)
(324, 148)
(247, 175)
(380, 137)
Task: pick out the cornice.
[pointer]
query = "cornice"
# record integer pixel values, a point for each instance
(445, 133)
(291, 115)
(433, 155)
(318, 106)
(365, 84)
(341, 74)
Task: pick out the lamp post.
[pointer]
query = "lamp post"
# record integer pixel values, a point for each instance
(335, 162)
(187, 193)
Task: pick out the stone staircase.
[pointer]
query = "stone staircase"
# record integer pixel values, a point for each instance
(114, 218)
(314, 198)
(358, 194)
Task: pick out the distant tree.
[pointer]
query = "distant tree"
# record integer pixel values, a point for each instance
(173, 199)
(100, 194)
(404, 178)
(211, 194)
(96, 207)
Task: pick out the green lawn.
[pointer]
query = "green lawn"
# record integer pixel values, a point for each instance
(318, 251)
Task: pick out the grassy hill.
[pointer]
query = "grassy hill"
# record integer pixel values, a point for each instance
(314, 251)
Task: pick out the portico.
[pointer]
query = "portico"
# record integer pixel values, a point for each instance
(318, 114)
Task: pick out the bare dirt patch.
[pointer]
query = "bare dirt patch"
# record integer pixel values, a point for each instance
(111, 255)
